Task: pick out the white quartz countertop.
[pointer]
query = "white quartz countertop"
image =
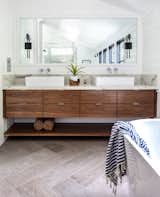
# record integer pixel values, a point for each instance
(81, 87)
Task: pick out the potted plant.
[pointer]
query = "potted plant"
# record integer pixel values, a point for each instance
(75, 71)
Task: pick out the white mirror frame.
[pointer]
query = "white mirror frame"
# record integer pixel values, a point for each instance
(136, 65)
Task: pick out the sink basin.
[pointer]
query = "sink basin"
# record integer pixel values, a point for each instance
(44, 81)
(115, 81)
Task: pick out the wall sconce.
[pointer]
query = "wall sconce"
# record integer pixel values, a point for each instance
(28, 45)
(128, 45)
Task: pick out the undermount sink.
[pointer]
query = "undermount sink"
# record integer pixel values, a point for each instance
(115, 81)
(44, 81)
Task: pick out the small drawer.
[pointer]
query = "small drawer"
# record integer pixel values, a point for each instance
(23, 110)
(139, 111)
(97, 110)
(66, 96)
(23, 96)
(61, 109)
(136, 97)
(98, 96)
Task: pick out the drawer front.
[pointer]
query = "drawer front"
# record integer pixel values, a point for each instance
(66, 96)
(23, 97)
(136, 97)
(61, 109)
(21, 103)
(97, 110)
(23, 110)
(142, 110)
(97, 96)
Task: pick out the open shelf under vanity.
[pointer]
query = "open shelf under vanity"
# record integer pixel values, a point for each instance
(62, 129)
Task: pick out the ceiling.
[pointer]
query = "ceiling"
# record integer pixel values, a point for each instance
(138, 6)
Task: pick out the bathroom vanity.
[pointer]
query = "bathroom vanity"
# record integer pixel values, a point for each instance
(65, 103)
(45, 46)
(83, 103)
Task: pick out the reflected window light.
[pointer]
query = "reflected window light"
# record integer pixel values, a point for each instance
(61, 51)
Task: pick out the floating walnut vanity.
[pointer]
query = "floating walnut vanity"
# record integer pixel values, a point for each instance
(76, 103)
(39, 86)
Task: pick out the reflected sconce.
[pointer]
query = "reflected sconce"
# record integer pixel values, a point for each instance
(128, 45)
(28, 45)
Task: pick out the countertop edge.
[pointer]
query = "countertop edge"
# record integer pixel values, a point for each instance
(18, 87)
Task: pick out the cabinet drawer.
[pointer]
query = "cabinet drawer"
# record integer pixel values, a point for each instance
(23, 97)
(19, 110)
(61, 110)
(98, 96)
(61, 96)
(142, 110)
(97, 110)
(136, 97)
(22, 103)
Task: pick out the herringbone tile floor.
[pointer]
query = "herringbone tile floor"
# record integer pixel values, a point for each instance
(54, 168)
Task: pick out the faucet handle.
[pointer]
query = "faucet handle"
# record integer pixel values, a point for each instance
(41, 70)
(48, 70)
(116, 70)
(109, 69)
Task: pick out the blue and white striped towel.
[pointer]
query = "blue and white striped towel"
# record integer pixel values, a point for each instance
(116, 163)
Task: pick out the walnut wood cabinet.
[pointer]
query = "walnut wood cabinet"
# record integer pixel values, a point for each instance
(140, 103)
(84, 103)
(97, 103)
(24, 104)
(60, 103)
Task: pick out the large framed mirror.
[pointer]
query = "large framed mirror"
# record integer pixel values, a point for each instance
(88, 41)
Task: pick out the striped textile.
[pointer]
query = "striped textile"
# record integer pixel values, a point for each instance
(116, 163)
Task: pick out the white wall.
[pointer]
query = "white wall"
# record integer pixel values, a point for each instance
(5, 36)
(5, 51)
(151, 47)
(69, 8)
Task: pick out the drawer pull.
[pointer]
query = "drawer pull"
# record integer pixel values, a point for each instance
(136, 104)
(61, 104)
(98, 104)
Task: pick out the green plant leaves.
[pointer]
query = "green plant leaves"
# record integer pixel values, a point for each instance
(74, 69)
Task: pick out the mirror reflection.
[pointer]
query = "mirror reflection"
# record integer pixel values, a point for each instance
(81, 41)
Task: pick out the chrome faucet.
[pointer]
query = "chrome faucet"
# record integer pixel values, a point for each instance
(41, 70)
(48, 70)
(115, 70)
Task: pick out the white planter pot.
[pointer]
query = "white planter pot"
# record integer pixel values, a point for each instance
(74, 78)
